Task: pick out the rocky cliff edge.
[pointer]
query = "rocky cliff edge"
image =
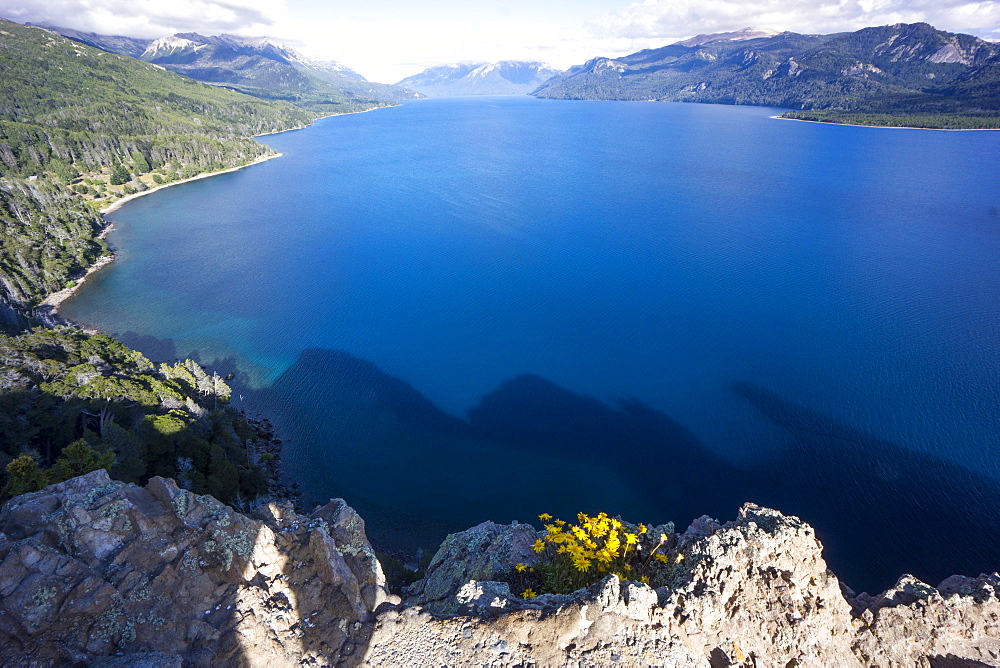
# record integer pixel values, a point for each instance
(102, 573)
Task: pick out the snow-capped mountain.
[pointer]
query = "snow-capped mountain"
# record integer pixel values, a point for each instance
(257, 66)
(506, 77)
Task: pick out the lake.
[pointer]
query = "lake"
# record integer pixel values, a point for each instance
(488, 308)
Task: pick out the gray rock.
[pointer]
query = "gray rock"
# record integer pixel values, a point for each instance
(484, 552)
(102, 573)
(347, 529)
(755, 591)
(98, 571)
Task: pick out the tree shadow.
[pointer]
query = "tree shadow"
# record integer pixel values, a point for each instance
(154, 348)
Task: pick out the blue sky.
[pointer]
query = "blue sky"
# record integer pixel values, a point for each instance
(387, 40)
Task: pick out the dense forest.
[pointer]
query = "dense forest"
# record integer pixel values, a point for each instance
(68, 106)
(72, 403)
(49, 236)
(929, 121)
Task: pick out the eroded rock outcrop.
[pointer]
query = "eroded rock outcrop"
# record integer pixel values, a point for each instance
(92, 568)
(106, 573)
(756, 592)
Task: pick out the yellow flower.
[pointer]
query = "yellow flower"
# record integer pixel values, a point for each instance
(662, 558)
(631, 538)
(663, 538)
(528, 593)
(642, 528)
(521, 568)
(644, 579)
(545, 517)
(539, 546)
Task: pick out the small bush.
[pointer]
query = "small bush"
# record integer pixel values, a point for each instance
(574, 556)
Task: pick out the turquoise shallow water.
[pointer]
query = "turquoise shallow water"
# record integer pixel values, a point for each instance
(444, 304)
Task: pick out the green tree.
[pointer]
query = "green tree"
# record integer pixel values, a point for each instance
(140, 162)
(79, 458)
(130, 452)
(65, 172)
(24, 475)
(120, 175)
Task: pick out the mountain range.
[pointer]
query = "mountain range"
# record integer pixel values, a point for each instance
(256, 66)
(898, 70)
(506, 77)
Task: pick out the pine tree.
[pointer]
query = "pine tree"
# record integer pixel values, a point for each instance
(120, 175)
(79, 458)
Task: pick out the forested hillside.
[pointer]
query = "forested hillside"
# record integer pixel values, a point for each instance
(71, 403)
(81, 127)
(912, 72)
(67, 106)
(48, 236)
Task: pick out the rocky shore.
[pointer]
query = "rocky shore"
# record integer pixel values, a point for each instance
(102, 573)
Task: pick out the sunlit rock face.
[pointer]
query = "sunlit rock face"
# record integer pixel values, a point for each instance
(92, 568)
(96, 570)
(756, 591)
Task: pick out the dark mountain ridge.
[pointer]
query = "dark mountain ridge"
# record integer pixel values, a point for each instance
(900, 70)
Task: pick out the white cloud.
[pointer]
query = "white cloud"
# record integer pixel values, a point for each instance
(671, 19)
(388, 51)
(149, 18)
(387, 45)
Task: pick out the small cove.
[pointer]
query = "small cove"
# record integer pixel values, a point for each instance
(796, 314)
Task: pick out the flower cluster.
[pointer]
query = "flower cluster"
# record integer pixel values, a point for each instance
(572, 556)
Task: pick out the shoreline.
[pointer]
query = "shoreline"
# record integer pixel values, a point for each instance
(114, 206)
(886, 127)
(48, 310)
(321, 118)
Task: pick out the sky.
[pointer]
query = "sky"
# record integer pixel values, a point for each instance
(387, 40)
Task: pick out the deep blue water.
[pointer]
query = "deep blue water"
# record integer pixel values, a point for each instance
(798, 314)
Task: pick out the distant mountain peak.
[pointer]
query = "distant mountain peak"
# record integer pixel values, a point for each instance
(502, 77)
(734, 36)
